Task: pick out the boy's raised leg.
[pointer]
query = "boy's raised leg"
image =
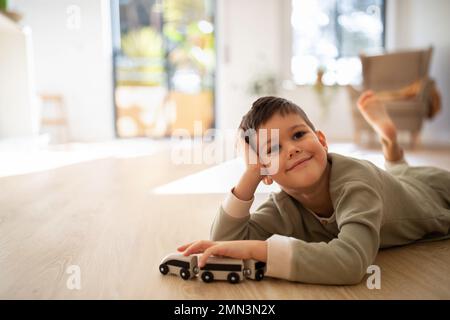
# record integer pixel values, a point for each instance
(374, 111)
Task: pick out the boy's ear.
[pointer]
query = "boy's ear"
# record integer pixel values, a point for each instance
(322, 139)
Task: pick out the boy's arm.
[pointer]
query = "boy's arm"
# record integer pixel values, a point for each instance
(246, 187)
(343, 260)
(233, 221)
(266, 223)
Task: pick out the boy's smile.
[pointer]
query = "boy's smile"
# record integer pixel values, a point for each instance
(299, 163)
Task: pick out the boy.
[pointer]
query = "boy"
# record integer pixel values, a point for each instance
(334, 212)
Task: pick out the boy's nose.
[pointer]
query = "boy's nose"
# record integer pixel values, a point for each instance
(294, 151)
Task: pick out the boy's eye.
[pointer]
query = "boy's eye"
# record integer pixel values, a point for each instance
(298, 135)
(276, 148)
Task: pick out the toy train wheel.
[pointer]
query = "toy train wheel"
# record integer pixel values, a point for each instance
(233, 277)
(259, 275)
(185, 274)
(164, 269)
(207, 277)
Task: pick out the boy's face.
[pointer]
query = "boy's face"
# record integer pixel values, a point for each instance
(301, 153)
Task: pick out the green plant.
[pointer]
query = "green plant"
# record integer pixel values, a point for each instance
(3, 5)
(144, 42)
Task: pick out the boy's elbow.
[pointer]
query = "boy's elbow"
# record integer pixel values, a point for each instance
(348, 277)
(356, 265)
(356, 270)
(346, 274)
(354, 277)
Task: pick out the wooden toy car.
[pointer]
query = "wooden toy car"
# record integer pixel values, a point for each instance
(216, 268)
(222, 269)
(177, 263)
(254, 269)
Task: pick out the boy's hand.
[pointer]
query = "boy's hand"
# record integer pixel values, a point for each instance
(241, 249)
(246, 187)
(254, 166)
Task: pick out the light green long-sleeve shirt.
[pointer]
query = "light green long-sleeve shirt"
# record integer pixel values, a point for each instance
(373, 209)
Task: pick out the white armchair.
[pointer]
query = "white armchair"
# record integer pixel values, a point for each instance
(393, 72)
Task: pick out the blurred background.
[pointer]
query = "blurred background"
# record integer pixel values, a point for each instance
(99, 75)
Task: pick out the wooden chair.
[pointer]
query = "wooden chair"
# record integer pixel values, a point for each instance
(55, 118)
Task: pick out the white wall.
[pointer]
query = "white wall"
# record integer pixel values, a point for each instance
(74, 62)
(248, 35)
(18, 107)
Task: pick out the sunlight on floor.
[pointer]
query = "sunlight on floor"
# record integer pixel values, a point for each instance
(221, 178)
(25, 156)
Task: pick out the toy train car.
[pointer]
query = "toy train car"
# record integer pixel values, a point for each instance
(216, 268)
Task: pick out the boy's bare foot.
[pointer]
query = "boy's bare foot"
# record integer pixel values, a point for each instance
(375, 113)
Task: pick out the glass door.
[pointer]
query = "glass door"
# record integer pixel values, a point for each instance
(164, 66)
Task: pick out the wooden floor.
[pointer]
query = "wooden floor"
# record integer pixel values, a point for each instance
(105, 217)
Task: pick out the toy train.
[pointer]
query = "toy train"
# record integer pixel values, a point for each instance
(216, 268)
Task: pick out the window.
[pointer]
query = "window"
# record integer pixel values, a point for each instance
(329, 35)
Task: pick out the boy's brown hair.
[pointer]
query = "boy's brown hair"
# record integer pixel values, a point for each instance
(265, 107)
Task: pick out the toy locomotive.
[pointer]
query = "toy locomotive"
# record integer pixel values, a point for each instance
(216, 268)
